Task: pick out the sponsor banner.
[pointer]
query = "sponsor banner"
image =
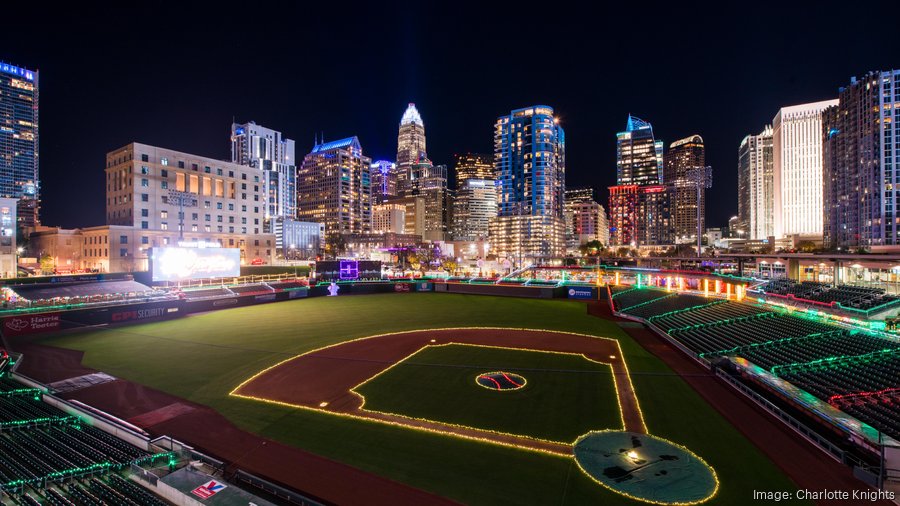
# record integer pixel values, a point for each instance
(580, 293)
(138, 314)
(209, 489)
(31, 324)
(296, 294)
(225, 302)
(401, 287)
(265, 297)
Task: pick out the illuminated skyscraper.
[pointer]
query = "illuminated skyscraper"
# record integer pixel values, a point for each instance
(639, 210)
(639, 158)
(530, 161)
(797, 173)
(384, 180)
(334, 187)
(755, 185)
(861, 176)
(683, 156)
(474, 207)
(19, 141)
(430, 183)
(473, 166)
(265, 149)
(410, 146)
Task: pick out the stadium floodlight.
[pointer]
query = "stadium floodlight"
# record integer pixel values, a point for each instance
(701, 179)
(181, 199)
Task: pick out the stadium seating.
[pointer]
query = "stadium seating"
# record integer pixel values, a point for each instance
(207, 293)
(287, 285)
(825, 360)
(667, 304)
(713, 312)
(41, 446)
(624, 299)
(251, 289)
(849, 296)
(883, 413)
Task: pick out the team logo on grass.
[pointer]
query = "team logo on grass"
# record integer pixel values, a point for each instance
(500, 380)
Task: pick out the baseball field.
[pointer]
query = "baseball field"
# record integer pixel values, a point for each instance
(401, 419)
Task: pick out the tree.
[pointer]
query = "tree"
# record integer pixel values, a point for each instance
(806, 246)
(450, 265)
(592, 248)
(48, 266)
(335, 244)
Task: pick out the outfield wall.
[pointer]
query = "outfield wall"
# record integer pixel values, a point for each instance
(27, 323)
(39, 323)
(534, 292)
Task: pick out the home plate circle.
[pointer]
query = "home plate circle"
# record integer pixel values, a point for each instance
(646, 468)
(500, 380)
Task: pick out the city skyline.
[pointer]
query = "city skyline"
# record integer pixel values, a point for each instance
(137, 90)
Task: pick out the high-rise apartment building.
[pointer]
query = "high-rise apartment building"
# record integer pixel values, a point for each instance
(267, 150)
(756, 187)
(639, 207)
(530, 162)
(334, 187)
(797, 172)
(473, 166)
(861, 181)
(589, 223)
(474, 207)
(226, 203)
(686, 155)
(573, 197)
(384, 180)
(19, 142)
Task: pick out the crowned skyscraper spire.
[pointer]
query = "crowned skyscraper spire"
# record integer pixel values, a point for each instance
(411, 140)
(411, 116)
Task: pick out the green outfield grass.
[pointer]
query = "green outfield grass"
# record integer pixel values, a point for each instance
(203, 357)
(564, 396)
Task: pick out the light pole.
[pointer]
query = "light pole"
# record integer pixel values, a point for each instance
(701, 179)
(181, 199)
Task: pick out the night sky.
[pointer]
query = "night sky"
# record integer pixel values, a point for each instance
(175, 78)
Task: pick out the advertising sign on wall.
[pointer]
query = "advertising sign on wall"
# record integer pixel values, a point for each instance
(30, 324)
(581, 293)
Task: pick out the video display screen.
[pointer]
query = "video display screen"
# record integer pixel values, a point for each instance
(181, 264)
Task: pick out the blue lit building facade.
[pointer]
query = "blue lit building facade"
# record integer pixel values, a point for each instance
(19, 141)
(861, 175)
(530, 164)
(334, 187)
(639, 204)
(384, 180)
